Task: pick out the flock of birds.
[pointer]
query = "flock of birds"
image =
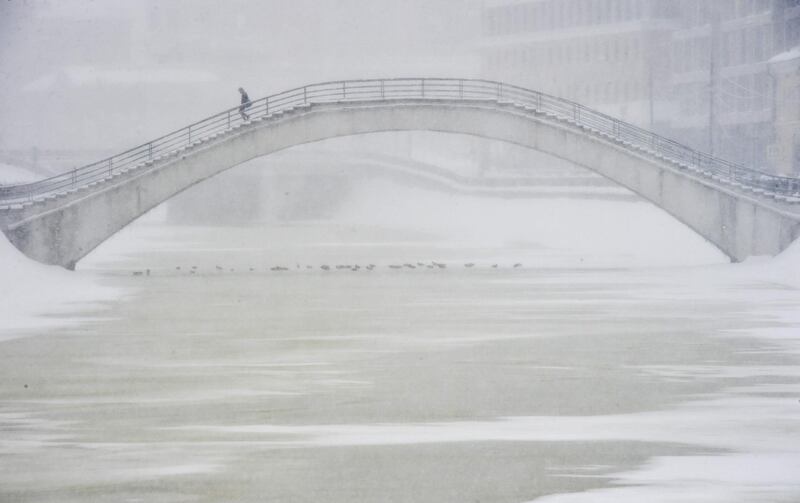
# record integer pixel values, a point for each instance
(339, 267)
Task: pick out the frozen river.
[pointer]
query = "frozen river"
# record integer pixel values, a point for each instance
(563, 379)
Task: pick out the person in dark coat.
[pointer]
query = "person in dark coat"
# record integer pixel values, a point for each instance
(246, 103)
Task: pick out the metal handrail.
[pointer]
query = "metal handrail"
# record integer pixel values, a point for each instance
(428, 89)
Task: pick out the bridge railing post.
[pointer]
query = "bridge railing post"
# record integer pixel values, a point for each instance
(190, 135)
(150, 151)
(74, 177)
(344, 91)
(422, 87)
(110, 165)
(229, 119)
(266, 106)
(460, 89)
(305, 95)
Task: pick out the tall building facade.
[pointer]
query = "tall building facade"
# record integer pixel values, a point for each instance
(723, 87)
(694, 70)
(784, 152)
(603, 53)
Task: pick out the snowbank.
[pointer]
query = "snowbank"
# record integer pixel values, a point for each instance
(29, 290)
(783, 269)
(786, 266)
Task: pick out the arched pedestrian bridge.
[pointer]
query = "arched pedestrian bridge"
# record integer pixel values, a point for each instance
(741, 211)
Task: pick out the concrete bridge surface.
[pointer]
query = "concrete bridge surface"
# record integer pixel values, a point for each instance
(743, 212)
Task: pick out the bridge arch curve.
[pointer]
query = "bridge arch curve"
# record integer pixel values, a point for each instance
(65, 227)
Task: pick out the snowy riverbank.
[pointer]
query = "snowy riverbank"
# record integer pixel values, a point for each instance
(36, 296)
(783, 269)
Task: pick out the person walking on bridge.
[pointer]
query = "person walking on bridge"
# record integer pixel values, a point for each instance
(246, 103)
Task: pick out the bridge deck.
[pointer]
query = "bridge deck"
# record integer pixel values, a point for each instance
(392, 92)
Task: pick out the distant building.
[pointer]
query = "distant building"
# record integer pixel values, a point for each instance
(724, 94)
(698, 71)
(607, 54)
(784, 152)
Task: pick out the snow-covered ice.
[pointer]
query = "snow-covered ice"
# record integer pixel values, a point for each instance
(209, 377)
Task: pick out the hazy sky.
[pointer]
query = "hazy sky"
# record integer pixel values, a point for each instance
(128, 69)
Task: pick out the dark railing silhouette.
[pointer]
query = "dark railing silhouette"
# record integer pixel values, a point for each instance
(383, 90)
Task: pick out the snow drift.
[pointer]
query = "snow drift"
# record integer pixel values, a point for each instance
(34, 295)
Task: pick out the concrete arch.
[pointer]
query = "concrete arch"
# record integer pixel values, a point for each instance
(65, 229)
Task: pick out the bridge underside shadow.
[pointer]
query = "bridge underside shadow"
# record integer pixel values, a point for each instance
(64, 230)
